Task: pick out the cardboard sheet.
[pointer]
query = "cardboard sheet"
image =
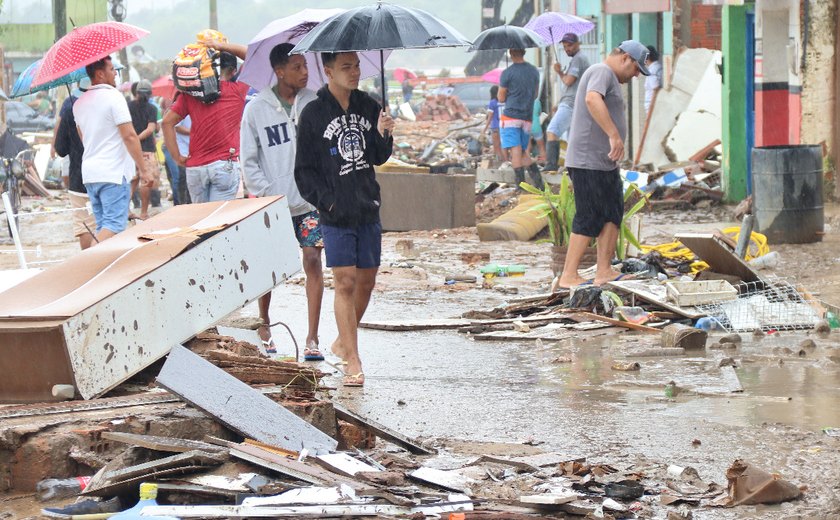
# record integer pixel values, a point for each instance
(93, 274)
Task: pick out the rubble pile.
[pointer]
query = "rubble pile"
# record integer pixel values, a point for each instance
(440, 107)
(437, 145)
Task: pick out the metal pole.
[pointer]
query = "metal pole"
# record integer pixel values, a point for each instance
(60, 18)
(744, 236)
(214, 16)
(382, 79)
(10, 216)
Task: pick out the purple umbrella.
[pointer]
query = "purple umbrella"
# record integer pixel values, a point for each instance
(257, 71)
(552, 26)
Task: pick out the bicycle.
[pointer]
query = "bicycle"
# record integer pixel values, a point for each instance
(13, 172)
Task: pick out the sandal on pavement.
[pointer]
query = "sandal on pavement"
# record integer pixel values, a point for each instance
(268, 345)
(357, 380)
(311, 352)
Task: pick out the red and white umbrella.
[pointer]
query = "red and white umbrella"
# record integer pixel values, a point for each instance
(85, 45)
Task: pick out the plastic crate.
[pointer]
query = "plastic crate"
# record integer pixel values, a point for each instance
(687, 294)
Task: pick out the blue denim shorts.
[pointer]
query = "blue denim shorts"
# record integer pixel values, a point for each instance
(359, 246)
(109, 203)
(512, 137)
(561, 121)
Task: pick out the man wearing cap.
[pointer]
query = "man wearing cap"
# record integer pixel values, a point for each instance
(563, 116)
(144, 119)
(596, 144)
(518, 88)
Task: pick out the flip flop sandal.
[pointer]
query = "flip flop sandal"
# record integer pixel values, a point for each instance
(311, 353)
(268, 345)
(357, 380)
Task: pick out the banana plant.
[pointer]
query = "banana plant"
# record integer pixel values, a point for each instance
(625, 234)
(557, 207)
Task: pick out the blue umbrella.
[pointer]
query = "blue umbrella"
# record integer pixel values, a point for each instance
(23, 85)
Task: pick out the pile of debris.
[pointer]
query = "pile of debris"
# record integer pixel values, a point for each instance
(439, 145)
(442, 107)
(268, 462)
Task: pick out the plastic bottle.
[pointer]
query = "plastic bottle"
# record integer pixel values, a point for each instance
(148, 497)
(52, 488)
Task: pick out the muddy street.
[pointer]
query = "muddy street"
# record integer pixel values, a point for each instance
(513, 397)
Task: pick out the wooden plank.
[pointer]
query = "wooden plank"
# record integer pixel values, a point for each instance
(449, 480)
(293, 468)
(316, 511)
(549, 499)
(156, 443)
(619, 323)
(129, 486)
(591, 330)
(655, 293)
(712, 250)
(237, 405)
(344, 464)
(190, 458)
(731, 379)
(381, 431)
(403, 325)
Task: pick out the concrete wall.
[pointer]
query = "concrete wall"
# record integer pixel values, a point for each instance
(423, 201)
(818, 76)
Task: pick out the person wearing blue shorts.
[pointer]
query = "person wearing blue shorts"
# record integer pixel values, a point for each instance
(518, 88)
(112, 148)
(341, 135)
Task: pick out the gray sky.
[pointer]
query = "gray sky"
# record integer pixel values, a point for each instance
(174, 23)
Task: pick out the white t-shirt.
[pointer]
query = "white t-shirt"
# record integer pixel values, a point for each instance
(98, 112)
(652, 82)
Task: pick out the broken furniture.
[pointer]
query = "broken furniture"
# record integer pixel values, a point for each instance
(102, 316)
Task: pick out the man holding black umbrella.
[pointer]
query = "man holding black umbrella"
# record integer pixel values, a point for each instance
(342, 134)
(519, 85)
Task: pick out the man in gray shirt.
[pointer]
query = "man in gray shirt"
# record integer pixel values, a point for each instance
(563, 116)
(596, 144)
(519, 85)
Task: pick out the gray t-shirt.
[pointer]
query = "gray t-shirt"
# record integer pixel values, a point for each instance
(521, 81)
(589, 146)
(577, 67)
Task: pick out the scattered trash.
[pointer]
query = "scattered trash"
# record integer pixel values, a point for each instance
(493, 270)
(750, 485)
(626, 366)
(683, 336)
(624, 489)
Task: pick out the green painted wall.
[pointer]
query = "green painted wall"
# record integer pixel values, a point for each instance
(667, 33)
(733, 27)
(644, 28)
(37, 38)
(588, 8)
(617, 28)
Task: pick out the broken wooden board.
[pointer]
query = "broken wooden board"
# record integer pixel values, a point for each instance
(153, 442)
(552, 333)
(381, 431)
(531, 463)
(731, 379)
(192, 458)
(237, 405)
(462, 503)
(712, 250)
(549, 499)
(407, 325)
(617, 323)
(290, 467)
(453, 323)
(128, 486)
(344, 464)
(655, 293)
(449, 480)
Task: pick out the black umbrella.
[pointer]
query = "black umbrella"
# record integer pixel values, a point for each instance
(380, 27)
(507, 37)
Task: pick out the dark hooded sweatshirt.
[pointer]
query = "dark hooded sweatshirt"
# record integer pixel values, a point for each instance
(336, 152)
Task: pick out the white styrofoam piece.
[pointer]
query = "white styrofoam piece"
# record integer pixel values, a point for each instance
(708, 94)
(693, 132)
